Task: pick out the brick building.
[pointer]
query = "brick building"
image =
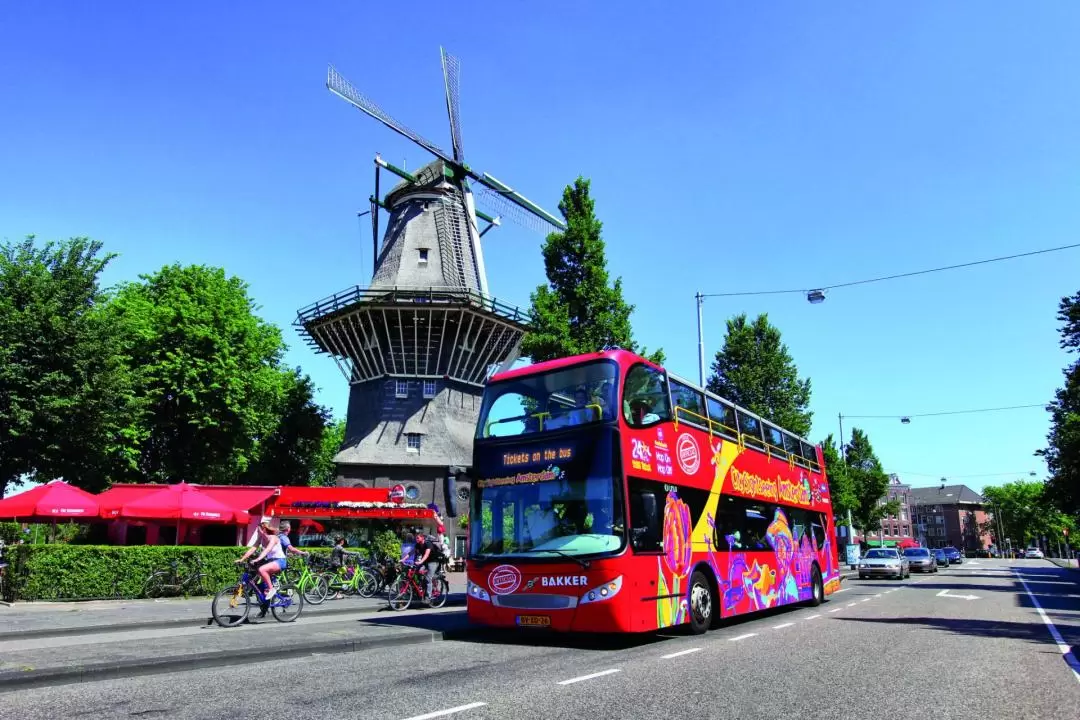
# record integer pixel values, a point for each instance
(950, 515)
(896, 528)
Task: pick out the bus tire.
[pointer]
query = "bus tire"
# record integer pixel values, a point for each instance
(702, 603)
(817, 587)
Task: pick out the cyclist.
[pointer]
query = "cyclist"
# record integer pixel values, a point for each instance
(271, 552)
(337, 559)
(286, 543)
(429, 555)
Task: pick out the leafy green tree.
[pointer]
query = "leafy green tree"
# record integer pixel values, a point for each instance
(208, 368)
(1062, 454)
(293, 452)
(841, 487)
(869, 484)
(1027, 511)
(324, 473)
(579, 310)
(65, 389)
(754, 369)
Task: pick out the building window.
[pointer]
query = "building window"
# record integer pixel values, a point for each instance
(413, 441)
(412, 493)
(401, 389)
(423, 257)
(429, 388)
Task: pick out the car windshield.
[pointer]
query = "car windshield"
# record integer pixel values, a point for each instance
(548, 401)
(916, 552)
(882, 554)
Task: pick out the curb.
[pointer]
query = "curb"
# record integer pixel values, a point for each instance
(18, 680)
(452, 599)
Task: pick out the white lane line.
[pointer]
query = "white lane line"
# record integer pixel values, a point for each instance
(866, 599)
(841, 590)
(679, 654)
(850, 605)
(741, 637)
(589, 677)
(450, 711)
(878, 595)
(813, 617)
(782, 626)
(836, 609)
(1066, 650)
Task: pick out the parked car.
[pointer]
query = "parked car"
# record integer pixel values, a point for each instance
(941, 557)
(884, 562)
(955, 556)
(1033, 553)
(920, 559)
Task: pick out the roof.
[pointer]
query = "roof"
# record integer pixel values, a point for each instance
(948, 495)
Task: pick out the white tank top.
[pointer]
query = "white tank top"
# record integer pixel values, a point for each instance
(276, 553)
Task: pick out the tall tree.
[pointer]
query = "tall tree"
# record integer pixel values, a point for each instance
(1026, 511)
(1062, 453)
(869, 483)
(754, 369)
(841, 488)
(579, 310)
(324, 470)
(292, 453)
(65, 391)
(209, 369)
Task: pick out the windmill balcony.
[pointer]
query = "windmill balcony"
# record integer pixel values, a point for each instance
(410, 332)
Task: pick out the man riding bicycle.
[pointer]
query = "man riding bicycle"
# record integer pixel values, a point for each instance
(429, 555)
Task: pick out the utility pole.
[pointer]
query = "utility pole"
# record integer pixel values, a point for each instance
(700, 341)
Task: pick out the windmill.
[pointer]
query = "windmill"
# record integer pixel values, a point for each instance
(417, 344)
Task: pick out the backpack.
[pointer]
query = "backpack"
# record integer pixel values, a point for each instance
(436, 548)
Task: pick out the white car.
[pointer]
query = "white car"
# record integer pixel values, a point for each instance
(1033, 554)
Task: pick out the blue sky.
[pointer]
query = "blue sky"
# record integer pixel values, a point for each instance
(731, 147)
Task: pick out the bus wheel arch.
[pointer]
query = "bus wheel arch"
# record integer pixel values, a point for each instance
(817, 585)
(703, 575)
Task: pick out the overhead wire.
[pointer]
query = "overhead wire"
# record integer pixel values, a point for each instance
(945, 412)
(898, 275)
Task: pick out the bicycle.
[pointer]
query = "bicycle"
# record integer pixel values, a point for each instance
(400, 595)
(242, 594)
(312, 584)
(351, 578)
(162, 580)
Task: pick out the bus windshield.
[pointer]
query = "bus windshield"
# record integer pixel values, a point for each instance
(548, 401)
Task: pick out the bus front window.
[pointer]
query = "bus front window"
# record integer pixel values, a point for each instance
(548, 401)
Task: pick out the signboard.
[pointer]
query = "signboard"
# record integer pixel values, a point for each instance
(397, 494)
(853, 554)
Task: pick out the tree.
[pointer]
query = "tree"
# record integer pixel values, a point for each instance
(208, 368)
(841, 488)
(324, 471)
(754, 369)
(869, 484)
(294, 451)
(1062, 454)
(1026, 512)
(65, 389)
(578, 311)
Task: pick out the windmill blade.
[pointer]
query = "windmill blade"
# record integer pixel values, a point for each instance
(451, 69)
(516, 206)
(341, 87)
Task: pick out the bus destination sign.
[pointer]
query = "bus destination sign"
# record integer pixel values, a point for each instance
(530, 457)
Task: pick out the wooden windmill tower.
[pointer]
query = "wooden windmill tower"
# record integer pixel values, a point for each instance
(417, 344)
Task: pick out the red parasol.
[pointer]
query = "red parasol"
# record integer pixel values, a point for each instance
(55, 500)
(182, 502)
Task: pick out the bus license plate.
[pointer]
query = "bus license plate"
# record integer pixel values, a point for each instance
(534, 620)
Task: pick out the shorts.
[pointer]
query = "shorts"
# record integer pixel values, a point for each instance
(280, 562)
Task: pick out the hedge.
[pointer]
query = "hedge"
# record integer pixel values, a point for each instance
(91, 572)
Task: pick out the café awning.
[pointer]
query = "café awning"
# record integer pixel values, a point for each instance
(56, 500)
(343, 502)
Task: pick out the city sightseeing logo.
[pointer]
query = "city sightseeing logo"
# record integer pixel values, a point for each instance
(504, 579)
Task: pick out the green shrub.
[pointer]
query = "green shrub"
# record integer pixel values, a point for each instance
(85, 572)
(386, 542)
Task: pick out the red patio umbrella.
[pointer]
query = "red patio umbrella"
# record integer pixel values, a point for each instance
(182, 502)
(52, 501)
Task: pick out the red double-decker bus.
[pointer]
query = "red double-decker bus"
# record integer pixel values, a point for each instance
(610, 496)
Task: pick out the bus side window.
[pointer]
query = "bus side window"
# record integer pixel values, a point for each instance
(751, 430)
(646, 517)
(722, 418)
(645, 398)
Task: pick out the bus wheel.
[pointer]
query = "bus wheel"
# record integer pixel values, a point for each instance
(701, 603)
(817, 587)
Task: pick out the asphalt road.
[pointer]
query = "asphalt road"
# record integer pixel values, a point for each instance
(966, 642)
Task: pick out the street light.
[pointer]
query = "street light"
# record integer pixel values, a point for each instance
(814, 297)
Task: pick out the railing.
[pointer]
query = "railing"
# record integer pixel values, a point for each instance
(418, 295)
(741, 438)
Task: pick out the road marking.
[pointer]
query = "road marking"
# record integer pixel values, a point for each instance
(841, 590)
(836, 609)
(1066, 651)
(878, 595)
(742, 637)
(587, 677)
(813, 617)
(782, 626)
(851, 604)
(866, 599)
(945, 593)
(678, 654)
(450, 711)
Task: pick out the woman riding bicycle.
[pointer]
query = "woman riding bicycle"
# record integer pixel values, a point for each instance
(272, 552)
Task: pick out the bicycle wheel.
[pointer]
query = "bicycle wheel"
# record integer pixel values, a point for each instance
(441, 591)
(316, 589)
(195, 585)
(155, 585)
(367, 585)
(231, 605)
(287, 604)
(400, 595)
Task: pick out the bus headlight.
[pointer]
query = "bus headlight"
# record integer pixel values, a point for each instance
(475, 591)
(602, 592)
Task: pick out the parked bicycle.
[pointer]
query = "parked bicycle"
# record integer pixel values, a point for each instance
(352, 578)
(413, 583)
(162, 582)
(232, 604)
(312, 581)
